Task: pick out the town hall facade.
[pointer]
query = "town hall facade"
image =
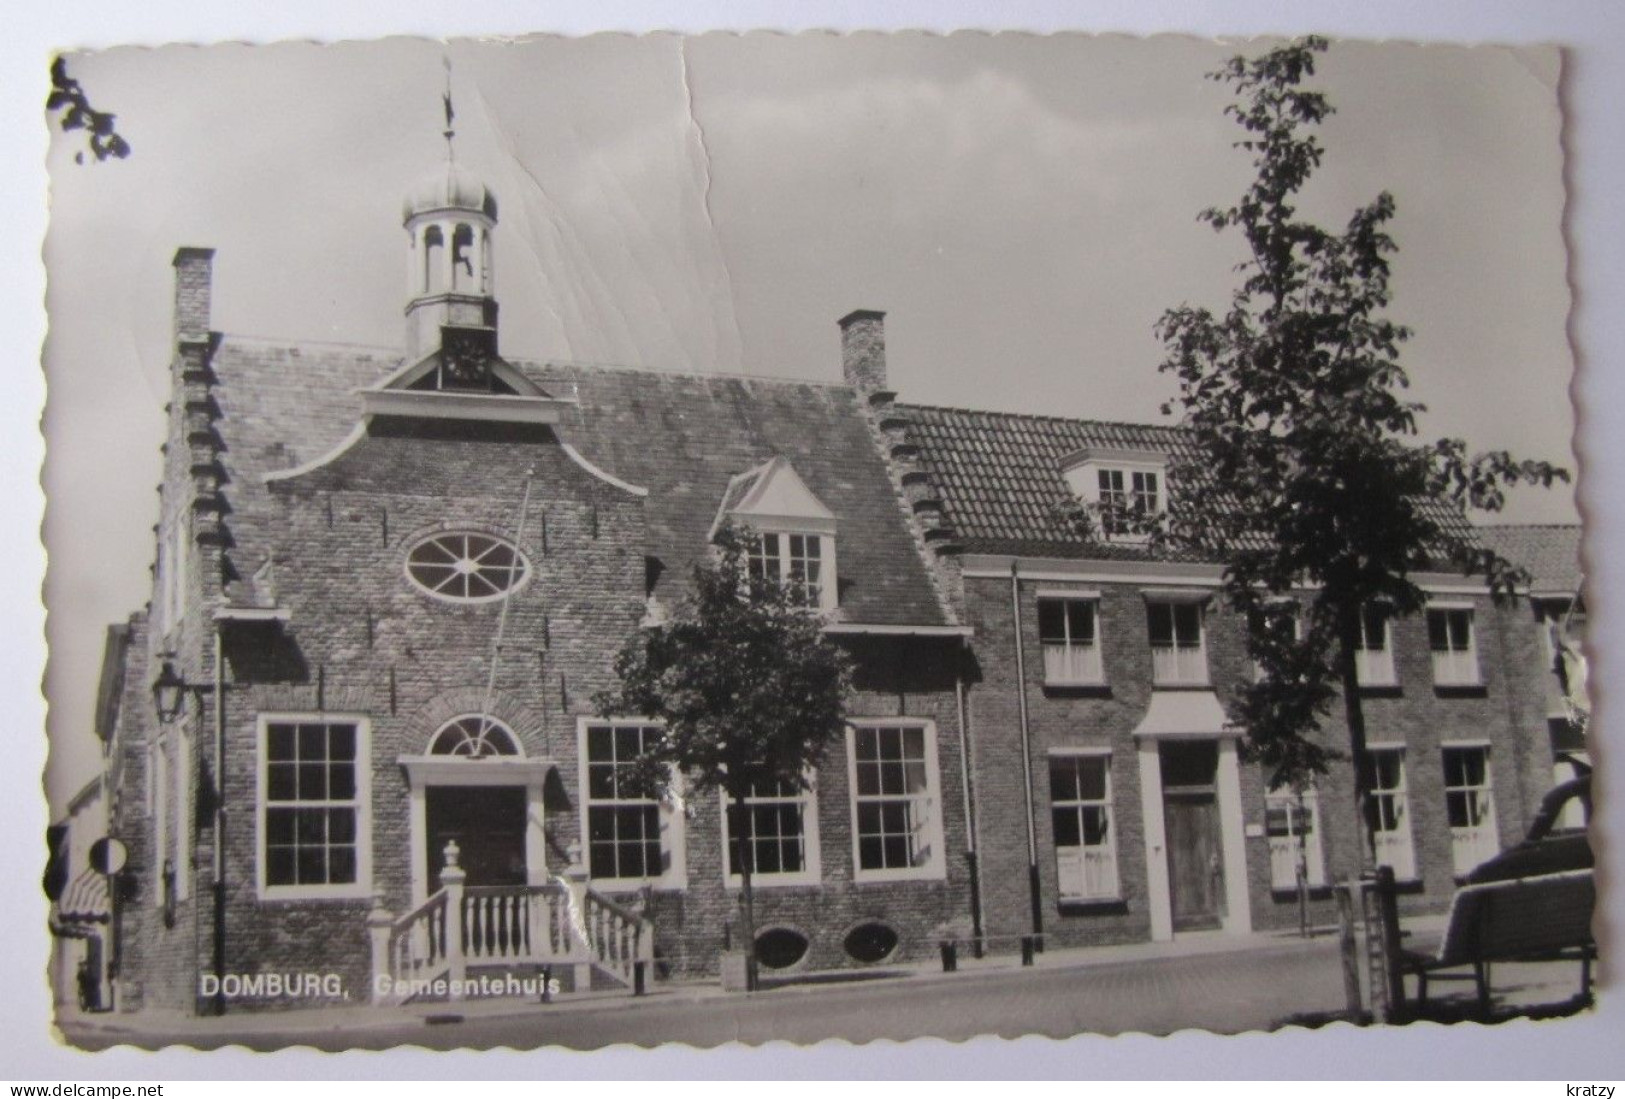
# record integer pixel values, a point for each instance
(354, 730)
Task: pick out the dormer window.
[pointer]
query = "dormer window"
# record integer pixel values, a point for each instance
(1127, 493)
(794, 560)
(791, 532)
(1124, 486)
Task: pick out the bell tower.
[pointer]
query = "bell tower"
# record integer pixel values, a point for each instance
(449, 218)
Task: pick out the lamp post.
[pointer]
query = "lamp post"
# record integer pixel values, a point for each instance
(169, 691)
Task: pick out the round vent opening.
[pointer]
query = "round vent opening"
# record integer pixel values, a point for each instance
(870, 943)
(780, 947)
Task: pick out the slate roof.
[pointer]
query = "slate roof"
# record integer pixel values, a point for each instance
(1550, 551)
(999, 476)
(683, 437)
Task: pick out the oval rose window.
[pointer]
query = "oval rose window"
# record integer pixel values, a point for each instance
(870, 942)
(780, 948)
(465, 567)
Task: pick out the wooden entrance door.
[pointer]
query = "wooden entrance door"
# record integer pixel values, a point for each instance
(1195, 862)
(488, 823)
(1191, 821)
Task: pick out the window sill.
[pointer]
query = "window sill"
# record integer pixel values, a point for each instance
(1460, 690)
(638, 885)
(891, 877)
(1092, 906)
(776, 881)
(1380, 690)
(281, 894)
(1289, 894)
(1182, 684)
(1097, 687)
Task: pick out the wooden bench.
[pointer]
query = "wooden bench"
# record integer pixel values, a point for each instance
(1544, 918)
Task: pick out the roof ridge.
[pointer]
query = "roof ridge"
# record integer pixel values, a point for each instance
(723, 375)
(1138, 424)
(1528, 526)
(284, 341)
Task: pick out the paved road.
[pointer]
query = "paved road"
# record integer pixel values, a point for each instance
(1222, 992)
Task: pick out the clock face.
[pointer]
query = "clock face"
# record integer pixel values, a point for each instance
(465, 358)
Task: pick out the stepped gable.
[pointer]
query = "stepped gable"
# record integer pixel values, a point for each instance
(281, 404)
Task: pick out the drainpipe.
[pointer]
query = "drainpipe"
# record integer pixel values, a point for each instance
(218, 886)
(1026, 762)
(965, 746)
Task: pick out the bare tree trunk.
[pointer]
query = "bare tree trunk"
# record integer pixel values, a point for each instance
(1348, 641)
(742, 839)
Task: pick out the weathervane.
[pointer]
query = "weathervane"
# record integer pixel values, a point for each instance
(445, 98)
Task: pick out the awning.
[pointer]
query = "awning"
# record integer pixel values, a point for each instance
(84, 901)
(1185, 713)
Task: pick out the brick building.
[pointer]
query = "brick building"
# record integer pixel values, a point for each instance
(389, 586)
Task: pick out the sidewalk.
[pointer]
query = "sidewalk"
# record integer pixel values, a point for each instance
(361, 1018)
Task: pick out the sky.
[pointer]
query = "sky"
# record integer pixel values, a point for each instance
(1023, 207)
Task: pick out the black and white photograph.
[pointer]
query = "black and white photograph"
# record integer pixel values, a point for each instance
(635, 539)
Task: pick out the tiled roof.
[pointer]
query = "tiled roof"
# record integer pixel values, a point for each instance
(685, 436)
(681, 436)
(1550, 551)
(999, 475)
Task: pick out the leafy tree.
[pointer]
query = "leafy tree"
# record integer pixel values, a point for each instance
(77, 114)
(749, 690)
(1306, 476)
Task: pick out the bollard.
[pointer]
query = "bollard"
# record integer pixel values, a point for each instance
(547, 984)
(1028, 942)
(1349, 948)
(950, 956)
(639, 977)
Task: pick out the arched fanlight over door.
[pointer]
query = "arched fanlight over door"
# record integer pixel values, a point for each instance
(474, 736)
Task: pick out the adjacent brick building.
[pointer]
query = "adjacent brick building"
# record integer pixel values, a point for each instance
(389, 587)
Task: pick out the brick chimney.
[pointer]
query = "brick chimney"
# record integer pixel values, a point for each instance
(863, 350)
(194, 275)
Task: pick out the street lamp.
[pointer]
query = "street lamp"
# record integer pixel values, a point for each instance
(169, 693)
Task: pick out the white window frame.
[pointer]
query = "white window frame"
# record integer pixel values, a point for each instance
(522, 567)
(1471, 844)
(1085, 480)
(1286, 606)
(828, 594)
(1178, 675)
(1453, 667)
(670, 809)
(160, 816)
(931, 831)
(1378, 670)
(183, 815)
(1396, 847)
(1107, 803)
(1071, 664)
(811, 872)
(173, 559)
(1285, 849)
(362, 803)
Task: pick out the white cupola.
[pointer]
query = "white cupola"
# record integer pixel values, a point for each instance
(449, 217)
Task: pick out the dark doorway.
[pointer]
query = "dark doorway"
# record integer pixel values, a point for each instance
(488, 823)
(1190, 802)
